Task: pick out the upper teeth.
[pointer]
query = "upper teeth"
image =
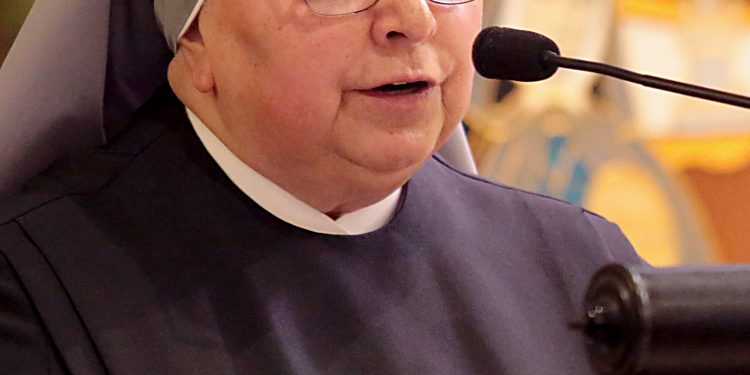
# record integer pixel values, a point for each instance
(399, 83)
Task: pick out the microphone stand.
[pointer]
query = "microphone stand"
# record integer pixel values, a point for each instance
(553, 59)
(675, 321)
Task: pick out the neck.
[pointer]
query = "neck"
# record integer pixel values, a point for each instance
(332, 194)
(331, 191)
(319, 179)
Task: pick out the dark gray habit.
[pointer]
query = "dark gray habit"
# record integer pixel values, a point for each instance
(143, 258)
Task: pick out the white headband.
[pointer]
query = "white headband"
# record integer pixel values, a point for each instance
(175, 17)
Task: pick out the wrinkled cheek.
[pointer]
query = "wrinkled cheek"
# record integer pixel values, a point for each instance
(457, 93)
(280, 120)
(306, 132)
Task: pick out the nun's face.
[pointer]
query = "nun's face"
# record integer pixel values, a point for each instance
(370, 93)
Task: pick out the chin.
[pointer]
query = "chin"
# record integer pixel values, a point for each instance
(394, 152)
(395, 160)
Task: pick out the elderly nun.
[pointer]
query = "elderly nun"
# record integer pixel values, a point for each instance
(254, 187)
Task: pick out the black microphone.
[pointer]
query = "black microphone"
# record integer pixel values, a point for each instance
(519, 55)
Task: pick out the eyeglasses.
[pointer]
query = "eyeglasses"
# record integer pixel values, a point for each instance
(344, 7)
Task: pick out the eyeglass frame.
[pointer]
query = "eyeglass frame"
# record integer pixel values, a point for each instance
(374, 2)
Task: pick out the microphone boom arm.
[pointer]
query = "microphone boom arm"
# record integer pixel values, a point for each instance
(551, 58)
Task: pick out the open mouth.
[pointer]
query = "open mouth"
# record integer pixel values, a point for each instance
(402, 88)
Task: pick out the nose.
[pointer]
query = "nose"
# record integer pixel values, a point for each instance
(402, 21)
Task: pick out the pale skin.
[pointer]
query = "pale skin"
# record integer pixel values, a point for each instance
(294, 96)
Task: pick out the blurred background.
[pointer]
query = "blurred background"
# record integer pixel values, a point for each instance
(12, 14)
(673, 172)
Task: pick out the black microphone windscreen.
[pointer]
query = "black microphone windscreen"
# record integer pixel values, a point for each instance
(515, 55)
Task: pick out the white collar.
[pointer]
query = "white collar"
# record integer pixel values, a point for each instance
(285, 206)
